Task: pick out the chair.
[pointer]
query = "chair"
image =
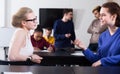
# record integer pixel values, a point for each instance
(6, 52)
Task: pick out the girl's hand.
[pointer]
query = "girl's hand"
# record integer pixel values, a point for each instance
(79, 44)
(50, 49)
(98, 63)
(36, 58)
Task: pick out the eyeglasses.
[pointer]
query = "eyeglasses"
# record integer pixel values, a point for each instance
(34, 19)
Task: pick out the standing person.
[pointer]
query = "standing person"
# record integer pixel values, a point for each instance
(95, 29)
(20, 48)
(108, 53)
(64, 30)
(39, 42)
(48, 37)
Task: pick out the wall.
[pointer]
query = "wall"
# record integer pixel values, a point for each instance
(82, 14)
(5, 37)
(118, 1)
(82, 11)
(2, 11)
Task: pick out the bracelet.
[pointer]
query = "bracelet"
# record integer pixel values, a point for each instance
(29, 58)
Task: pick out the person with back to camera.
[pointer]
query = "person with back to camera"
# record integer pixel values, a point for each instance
(39, 42)
(108, 53)
(95, 29)
(64, 30)
(48, 37)
(20, 48)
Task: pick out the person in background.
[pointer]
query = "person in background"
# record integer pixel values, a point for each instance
(20, 48)
(64, 30)
(38, 42)
(48, 37)
(95, 29)
(108, 53)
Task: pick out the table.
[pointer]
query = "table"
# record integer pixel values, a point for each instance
(97, 70)
(63, 58)
(37, 69)
(60, 69)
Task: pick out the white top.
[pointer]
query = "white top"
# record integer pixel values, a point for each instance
(28, 48)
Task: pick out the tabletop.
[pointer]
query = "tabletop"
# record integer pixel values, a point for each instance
(60, 69)
(64, 57)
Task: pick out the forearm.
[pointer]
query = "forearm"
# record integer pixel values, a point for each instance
(91, 56)
(112, 60)
(59, 36)
(17, 57)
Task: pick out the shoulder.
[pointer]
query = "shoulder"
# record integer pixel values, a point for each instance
(70, 21)
(104, 33)
(95, 20)
(58, 21)
(43, 39)
(20, 30)
(51, 37)
(20, 33)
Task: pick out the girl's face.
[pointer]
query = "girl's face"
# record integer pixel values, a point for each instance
(106, 18)
(48, 32)
(31, 21)
(96, 14)
(37, 35)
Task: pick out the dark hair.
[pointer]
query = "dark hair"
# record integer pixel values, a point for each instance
(67, 11)
(48, 28)
(38, 29)
(96, 8)
(113, 8)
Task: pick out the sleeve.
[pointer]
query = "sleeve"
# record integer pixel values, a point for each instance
(46, 44)
(73, 37)
(56, 32)
(113, 60)
(90, 28)
(92, 57)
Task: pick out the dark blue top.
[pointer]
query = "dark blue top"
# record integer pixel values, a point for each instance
(109, 49)
(60, 29)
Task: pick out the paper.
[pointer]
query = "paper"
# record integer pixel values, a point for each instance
(17, 73)
(77, 53)
(44, 51)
